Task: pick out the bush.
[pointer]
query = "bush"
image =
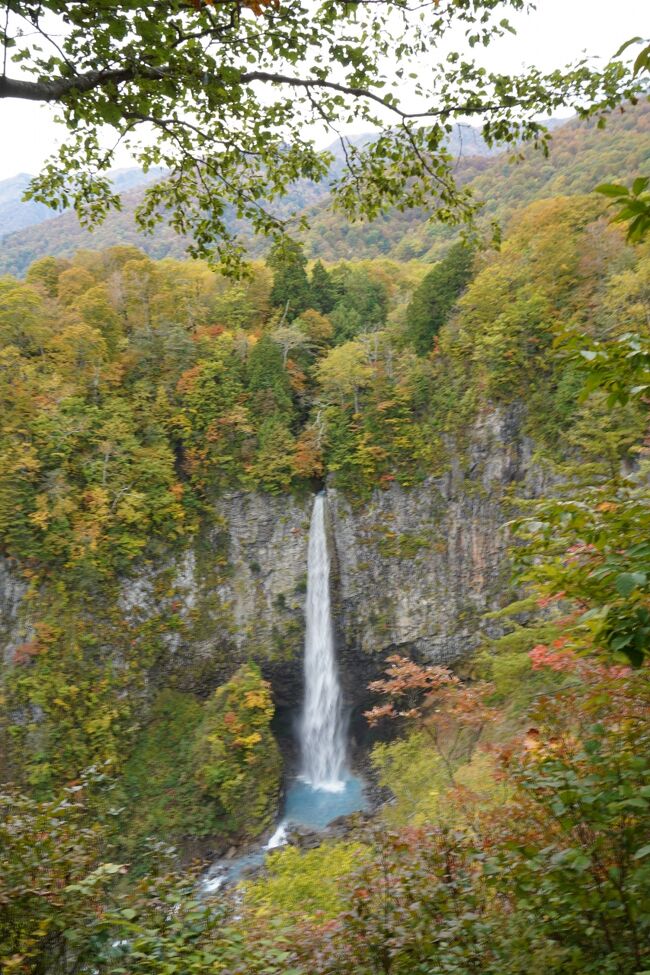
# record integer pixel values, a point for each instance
(235, 757)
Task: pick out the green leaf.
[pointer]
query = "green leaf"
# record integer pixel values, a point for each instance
(612, 189)
(627, 582)
(629, 43)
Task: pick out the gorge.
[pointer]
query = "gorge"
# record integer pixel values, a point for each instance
(325, 576)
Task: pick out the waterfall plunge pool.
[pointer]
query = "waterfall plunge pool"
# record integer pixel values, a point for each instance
(317, 808)
(303, 806)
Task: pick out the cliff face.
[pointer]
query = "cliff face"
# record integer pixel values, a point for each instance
(13, 630)
(414, 571)
(418, 568)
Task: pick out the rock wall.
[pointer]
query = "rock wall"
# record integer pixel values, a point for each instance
(13, 630)
(418, 568)
(414, 571)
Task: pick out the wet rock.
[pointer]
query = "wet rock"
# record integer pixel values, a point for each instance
(304, 837)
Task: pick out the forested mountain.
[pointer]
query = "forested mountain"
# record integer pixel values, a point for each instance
(581, 156)
(164, 428)
(325, 575)
(17, 214)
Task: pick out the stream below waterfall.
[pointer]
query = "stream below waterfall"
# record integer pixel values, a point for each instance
(325, 789)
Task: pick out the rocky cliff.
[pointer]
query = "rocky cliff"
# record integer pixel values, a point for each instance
(414, 571)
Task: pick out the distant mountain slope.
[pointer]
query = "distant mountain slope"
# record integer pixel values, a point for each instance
(25, 238)
(15, 213)
(581, 157)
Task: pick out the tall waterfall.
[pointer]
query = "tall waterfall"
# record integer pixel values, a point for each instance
(322, 731)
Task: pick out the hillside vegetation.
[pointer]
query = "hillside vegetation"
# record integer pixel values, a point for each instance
(581, 156)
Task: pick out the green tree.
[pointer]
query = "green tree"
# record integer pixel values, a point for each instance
(290, 292)
(363, 303)
(268, 381)
(323, 292)
(436, 295)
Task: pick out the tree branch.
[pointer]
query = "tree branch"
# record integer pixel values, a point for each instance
(57, 89)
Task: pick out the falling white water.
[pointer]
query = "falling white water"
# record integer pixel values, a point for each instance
(279, 838)
(322, 731)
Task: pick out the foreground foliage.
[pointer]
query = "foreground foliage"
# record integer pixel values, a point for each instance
(555, 879)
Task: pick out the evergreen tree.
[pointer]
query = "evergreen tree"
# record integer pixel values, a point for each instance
(323, 291)
(290, 291)
(268, 380)
(362, 306)
(436, 295)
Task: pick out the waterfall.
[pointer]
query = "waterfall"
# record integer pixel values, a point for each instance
(322, 730)
(325, 789)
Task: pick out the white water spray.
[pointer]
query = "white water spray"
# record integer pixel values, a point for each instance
(322, 729)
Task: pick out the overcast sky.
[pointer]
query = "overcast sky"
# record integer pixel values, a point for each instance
(556, 33)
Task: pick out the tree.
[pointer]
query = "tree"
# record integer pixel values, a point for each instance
(436, 296)
(363, 304)
(316, 327)
(21, 316)
(323, 291)
(273, 467)
(451, 714)
(230, 87)
(290, 291)
(96, 310)
(268, 380)
(45, 273)
(72, 283)
(236, 758)
(289, 338)
(343, 372)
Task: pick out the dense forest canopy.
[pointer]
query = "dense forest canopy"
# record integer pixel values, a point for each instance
(135, 391)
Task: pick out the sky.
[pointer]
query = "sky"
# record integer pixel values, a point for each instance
(558, 32)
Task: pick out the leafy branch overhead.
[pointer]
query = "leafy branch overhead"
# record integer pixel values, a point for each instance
(224, 96)
(634, 206)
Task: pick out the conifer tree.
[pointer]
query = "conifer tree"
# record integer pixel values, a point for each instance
(290, 291)
(323, 291)
(268, 380)
(436, 296)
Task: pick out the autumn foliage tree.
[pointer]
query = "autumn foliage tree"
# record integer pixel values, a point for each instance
(452, 714)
